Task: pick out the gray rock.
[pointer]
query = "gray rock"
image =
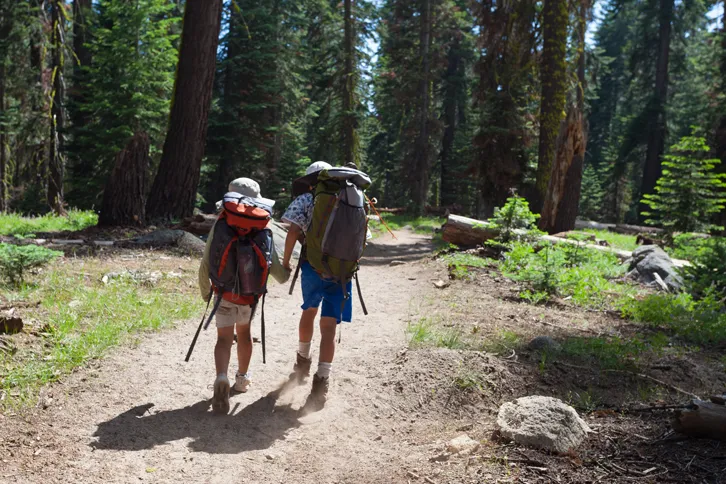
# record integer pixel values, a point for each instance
(649, 260)
(172, 238)
(542, 422)
(543, 343)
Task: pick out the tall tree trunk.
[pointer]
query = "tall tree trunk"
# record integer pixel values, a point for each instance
(563, 196)
(83, 58)
(350, 136)
(720, 135)
(174, 191)
(657, 108)
(554, 92)
(451, 118)
(421, 162)
(57, 122)
(125, 193)
(5, 28)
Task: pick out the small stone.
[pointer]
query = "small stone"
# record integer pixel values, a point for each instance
(395, 263)
(443, 457)
(269, 457)
(543, 343)
(441, 284)
(378, 439)
(462, 444)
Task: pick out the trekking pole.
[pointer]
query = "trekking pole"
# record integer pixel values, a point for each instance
(381, 218)
(199, 329)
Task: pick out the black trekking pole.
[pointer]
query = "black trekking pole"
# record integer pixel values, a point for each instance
(199, 329)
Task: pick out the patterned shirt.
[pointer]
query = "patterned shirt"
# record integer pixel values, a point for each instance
(300, 212)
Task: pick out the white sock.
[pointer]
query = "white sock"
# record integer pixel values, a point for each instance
(324, 369)
(221, 374)
(247, 375)
(304, 349)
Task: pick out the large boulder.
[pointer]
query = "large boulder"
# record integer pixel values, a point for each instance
(542, 422)
(172, 239)
(649, 260)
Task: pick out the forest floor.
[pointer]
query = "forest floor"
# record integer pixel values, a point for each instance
(141, 414)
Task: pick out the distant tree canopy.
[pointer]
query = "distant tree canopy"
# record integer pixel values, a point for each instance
(447, 103)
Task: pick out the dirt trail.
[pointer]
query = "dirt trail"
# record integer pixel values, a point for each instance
(142, 414)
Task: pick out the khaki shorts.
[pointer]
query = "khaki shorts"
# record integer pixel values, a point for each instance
(229, 314)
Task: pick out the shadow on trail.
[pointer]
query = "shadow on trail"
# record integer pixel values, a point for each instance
(380, 254)
(255, 427)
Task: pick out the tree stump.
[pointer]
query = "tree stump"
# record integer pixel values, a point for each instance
(124, 197)
(702, 419)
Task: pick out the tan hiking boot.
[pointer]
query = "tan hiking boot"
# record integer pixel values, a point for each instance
(320, 389)
(220, 400)
(302, 367)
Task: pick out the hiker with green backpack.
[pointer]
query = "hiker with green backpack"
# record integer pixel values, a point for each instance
(329, 216)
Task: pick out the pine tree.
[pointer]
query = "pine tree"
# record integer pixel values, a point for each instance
(174, 191)
(502, 100)
(125, 90)
(689, 192)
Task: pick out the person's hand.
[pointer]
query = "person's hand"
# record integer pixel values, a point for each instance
(286, 265)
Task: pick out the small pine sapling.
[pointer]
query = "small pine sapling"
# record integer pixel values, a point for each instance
(689, 192)
(17, 260)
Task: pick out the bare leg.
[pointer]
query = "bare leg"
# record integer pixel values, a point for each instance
(328, 327)
(244, 347)
(307, 325)
(223, 349)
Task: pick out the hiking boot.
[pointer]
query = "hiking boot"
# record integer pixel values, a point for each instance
(242, 383)
(220, 400)
(320, 389)
(302, 367)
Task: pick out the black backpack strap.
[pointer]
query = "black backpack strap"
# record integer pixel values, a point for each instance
(360, 295)
(199, 329)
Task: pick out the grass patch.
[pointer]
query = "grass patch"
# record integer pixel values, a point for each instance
(460, 264)
(614, 353)
(14, 224)
(697, 321)
(616, 241)
(503, 342)
(426, 333)
(81, 321)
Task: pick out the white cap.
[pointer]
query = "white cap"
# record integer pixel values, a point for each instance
(317, 166)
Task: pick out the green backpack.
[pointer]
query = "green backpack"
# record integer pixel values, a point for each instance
(336, 238)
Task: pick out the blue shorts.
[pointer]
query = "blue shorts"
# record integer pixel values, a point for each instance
(317, 289)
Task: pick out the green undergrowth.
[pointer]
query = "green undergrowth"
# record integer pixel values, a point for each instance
(585, 276)
(420, 225)
(14, 224)
(429, 332)
(461, 264)
(80, 321)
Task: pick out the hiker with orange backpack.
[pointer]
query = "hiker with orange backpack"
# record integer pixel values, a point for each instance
(329, 215)
(238, 258)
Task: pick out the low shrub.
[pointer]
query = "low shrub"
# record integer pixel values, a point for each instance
(17, 260)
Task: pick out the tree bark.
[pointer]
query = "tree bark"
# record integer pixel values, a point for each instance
(125, 194)
(5, 28)
(451, 118)
(420, 165)
(83, 58)
(720, 135)
(350, 136)
(701, 420)
(657, 109)
(174, 190)
(563, 196)
(56, 165)
(554, 91)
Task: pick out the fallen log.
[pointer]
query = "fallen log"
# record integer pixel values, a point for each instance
(617, 228)
(199, 224)
(701, 419)
(468, 232)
